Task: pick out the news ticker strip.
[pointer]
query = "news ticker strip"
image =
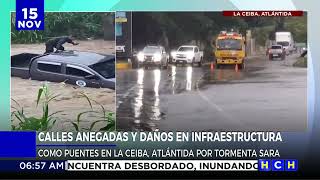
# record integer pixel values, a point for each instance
(150, 165)
(162, 165)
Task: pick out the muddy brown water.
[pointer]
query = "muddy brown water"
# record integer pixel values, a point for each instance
(69, 100)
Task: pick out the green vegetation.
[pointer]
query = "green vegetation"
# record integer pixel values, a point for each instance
(172, 29)
(43, 123)
(175, 28)
(296, 25)
(301, 62)
(101, 116)
(46, 121)
(81, 25)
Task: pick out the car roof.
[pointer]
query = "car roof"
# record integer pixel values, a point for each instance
(188, 46)
(277, 45)
(76, 57)
(153, 46)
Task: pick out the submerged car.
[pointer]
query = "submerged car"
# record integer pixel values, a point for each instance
(85, 69)
(153, 56)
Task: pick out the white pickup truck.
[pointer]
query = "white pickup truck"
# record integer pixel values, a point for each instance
(187, 55)
(277, 51)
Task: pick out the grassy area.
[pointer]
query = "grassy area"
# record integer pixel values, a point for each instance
(47, 120)
(301, 62)
(82, 25)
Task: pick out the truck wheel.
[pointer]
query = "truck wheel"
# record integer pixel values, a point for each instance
(135, 63)
(174, 62)
(167, 64)
(217, 65)
(242, 65)
(193, 61)
(200, 62)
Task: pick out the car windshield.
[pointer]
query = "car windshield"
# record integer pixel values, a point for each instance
(229, 44)
(105, 69)
(276, 47)
(283, 43)
(185, 49)
(150, 49)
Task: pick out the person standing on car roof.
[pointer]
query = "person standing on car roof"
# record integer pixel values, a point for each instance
(58, 42)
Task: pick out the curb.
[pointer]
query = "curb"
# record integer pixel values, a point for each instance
(123, 65)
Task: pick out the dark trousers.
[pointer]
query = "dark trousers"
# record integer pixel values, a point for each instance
(50, 48)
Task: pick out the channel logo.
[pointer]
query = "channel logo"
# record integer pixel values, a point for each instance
(278, 165)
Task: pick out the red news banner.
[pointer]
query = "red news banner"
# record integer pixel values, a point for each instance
(263, 13)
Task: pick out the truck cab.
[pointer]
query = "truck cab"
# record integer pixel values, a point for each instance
(285, 39)
(230, 49)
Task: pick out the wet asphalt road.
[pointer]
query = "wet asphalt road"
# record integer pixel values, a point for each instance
(266, 95)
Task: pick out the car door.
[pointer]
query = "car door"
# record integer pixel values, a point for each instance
(196, 54)
(164, 56)
(81, 76)
(109, 83)
(47, 71)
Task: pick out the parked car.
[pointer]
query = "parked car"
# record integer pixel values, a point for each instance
(277, 51)
(187, 55)
(153, 56)
(73, 67)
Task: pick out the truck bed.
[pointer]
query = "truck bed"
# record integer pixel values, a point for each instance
(20, 64)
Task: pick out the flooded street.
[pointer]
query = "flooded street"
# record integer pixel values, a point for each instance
(266, 95)
(69, 100)
(142, 94)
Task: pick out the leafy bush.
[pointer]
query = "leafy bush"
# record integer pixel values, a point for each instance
(301, 62)
(102, 116)
(81, 25)
(46, 121)
(43, 123)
